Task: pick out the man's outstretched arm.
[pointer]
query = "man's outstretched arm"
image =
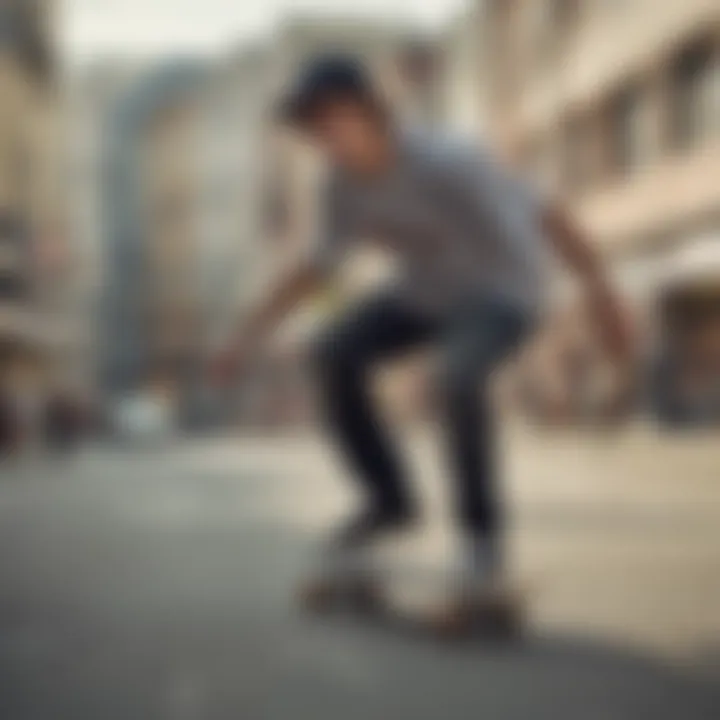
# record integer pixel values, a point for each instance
(571, 244)
(302, 281)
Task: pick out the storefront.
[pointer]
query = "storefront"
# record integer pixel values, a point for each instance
(685, 371)
(673, 302)
(23, 375)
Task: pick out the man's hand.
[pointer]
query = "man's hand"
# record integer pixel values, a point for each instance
(233, 360)
(603, 305)
(616, 335)
(613, 324)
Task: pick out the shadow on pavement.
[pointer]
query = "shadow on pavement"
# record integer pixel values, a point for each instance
(156, 597)
(200, 625)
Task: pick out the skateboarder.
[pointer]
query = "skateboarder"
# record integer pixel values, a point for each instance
(471, 242)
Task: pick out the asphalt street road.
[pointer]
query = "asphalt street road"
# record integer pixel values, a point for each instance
(157, 584)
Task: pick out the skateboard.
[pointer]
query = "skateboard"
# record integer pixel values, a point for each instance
(494, 615)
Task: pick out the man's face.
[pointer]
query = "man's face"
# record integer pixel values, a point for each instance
(347, 133)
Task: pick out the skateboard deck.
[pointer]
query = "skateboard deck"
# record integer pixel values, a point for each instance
(420, 609)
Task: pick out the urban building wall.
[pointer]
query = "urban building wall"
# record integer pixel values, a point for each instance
(613, 108)
(90, 101)
(33, 239)
(132, 248)
(232, 148)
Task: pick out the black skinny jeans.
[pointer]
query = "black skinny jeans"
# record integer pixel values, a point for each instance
(473, 340)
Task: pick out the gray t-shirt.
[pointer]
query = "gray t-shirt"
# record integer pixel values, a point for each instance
(456, 220)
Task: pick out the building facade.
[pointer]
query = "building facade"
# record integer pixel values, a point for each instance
(183, 211)
(90, 101)
(33, 234)
(167, 216)
(233, 263)
(615, 107)
(231, 150)
(148, 180)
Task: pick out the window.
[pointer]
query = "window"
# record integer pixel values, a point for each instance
(695, 95)
(551, 23)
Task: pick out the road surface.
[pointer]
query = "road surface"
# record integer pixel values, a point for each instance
(156, 584)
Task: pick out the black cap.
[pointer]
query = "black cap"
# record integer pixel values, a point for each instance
(325, 78)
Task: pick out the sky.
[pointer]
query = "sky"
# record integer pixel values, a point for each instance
(148, 28)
